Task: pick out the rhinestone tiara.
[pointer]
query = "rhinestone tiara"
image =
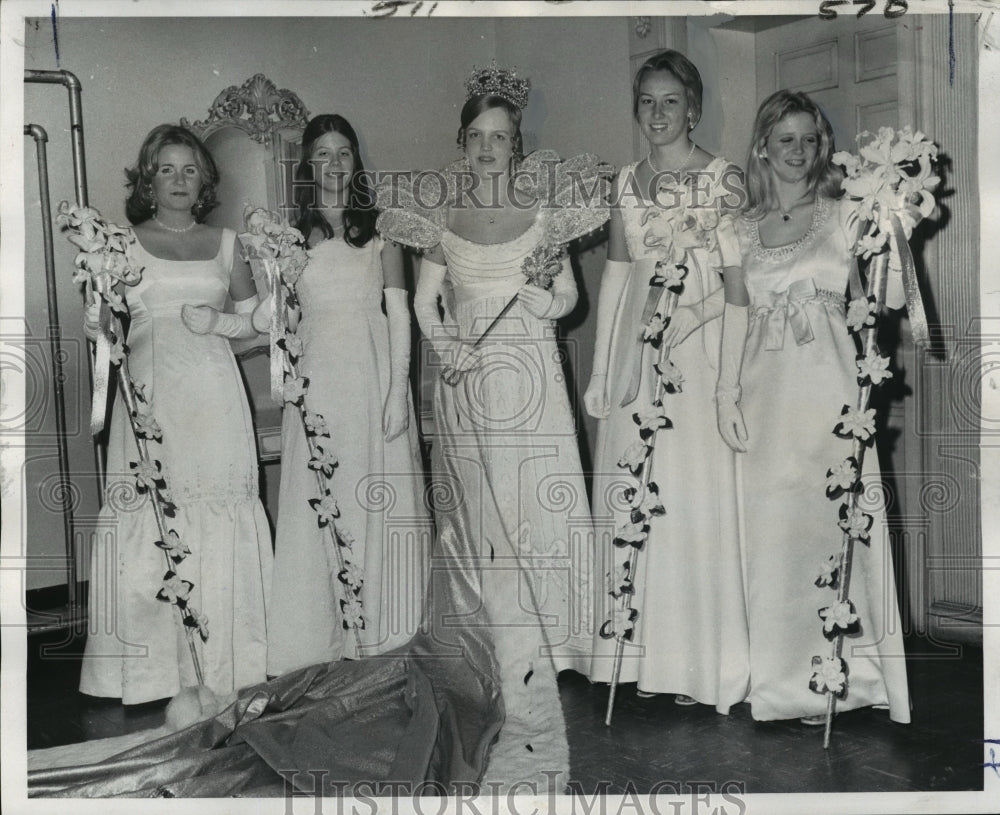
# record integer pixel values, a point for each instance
(498, 82)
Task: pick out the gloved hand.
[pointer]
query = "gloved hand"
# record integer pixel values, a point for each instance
(535, 300)
(92, 320)
(730, 420)
(683, 321)
(261, 317)
(207, 320)
(613, 280)
(595, 399)
(732, 428)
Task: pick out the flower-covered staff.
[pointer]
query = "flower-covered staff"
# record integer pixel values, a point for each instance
(890, 184)
(341, 367)
(104, 263)
(790, 362)
(652, 381)
(277, 255)
(279, 250)
(888, 189)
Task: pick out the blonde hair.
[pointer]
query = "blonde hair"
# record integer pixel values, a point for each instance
(823, 178)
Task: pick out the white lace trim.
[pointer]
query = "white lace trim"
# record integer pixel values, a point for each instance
(779, 254)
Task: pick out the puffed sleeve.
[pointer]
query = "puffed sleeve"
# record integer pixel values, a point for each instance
(575, 192)
(413, 207)
(729, 242)
(850, 224)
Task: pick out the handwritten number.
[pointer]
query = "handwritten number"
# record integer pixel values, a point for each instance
(826, 9)
(891, 10)
(868, 6)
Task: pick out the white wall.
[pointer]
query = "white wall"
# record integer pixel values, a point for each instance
(731, 79)
(399, 81)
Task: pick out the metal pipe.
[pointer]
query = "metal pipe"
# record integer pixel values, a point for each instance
(75, 123)
(74, 87)
(72, 84)
(37, 132)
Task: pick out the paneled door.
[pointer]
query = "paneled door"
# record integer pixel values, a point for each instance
(848, 66)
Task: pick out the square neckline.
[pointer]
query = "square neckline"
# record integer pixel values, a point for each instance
(819, 212)
(221, 249)
(534, 224)
(646, 202)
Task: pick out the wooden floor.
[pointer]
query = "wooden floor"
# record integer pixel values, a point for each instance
(653, 741)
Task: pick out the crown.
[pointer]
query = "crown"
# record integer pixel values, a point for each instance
(498, 82)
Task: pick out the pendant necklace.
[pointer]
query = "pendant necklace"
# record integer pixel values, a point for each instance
(786, 214)
(681, 169)
(493, 218)
(187, 228)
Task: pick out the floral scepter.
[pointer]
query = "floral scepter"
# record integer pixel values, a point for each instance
(540, 268)
(278, 249)
(690, 221)
(104, 262)
(892, 170)
(644, 497)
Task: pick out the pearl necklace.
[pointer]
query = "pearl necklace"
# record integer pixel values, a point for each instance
(681, 169)
(187, 228)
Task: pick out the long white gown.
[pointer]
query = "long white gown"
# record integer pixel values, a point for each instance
(517, 527)
(798, 372)
(691, 631)
(136, 647)
(378, 485)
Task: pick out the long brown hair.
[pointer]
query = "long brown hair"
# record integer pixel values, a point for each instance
(359, 214)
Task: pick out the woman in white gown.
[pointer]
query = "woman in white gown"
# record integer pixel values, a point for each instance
(505, 442)
(690, 635)
(799, 371)
(181, 359)
(357, 362)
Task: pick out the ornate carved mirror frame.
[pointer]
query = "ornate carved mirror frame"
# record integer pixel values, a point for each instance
(254, 133)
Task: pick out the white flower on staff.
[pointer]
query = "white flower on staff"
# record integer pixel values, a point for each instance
(859, 423)
(828, 675)
(875, 368)
(828, 569)
(842, 475)
(860, 313)
(839, 615)
(856, 523)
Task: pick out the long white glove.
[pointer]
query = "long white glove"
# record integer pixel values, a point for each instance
(261, 317)
(735, 321)
(452, 351)
(92, 320)
(395, 413)
(551, 304)
(207, 320)
(613, 281)
(686, 319)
